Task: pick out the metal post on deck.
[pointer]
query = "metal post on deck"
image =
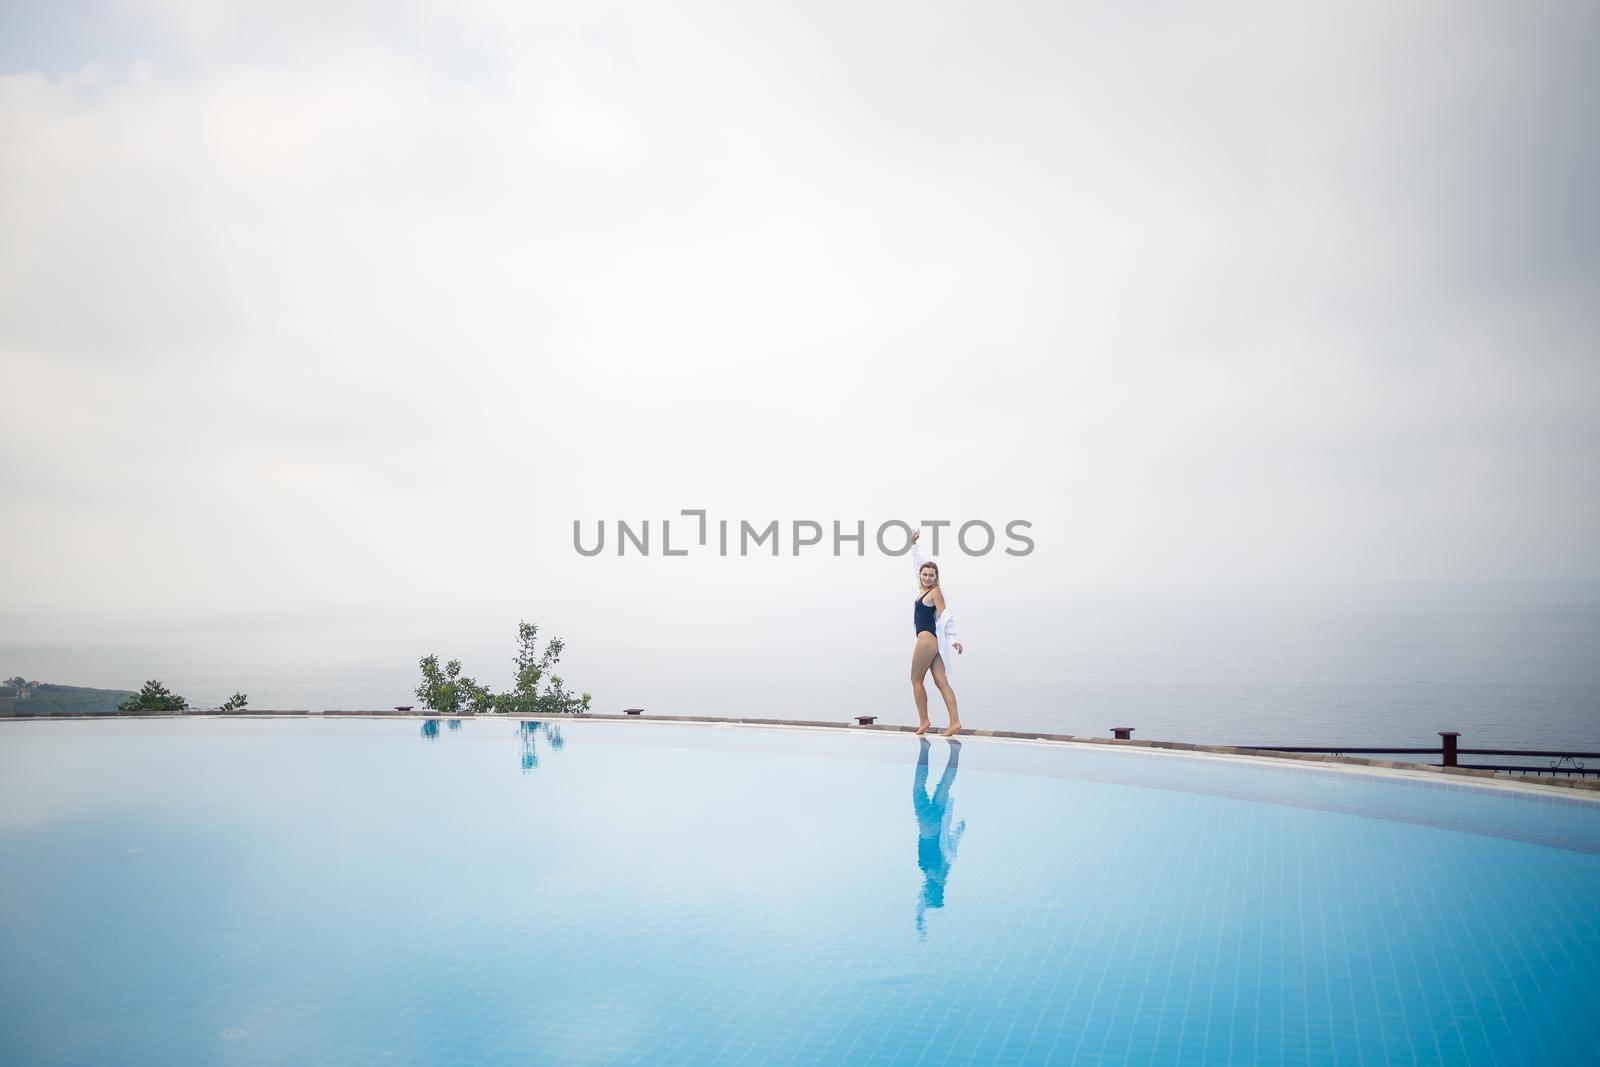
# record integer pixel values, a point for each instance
(1122, 733)
(1449, 751)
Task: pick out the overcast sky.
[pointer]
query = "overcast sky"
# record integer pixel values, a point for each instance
(341, 304)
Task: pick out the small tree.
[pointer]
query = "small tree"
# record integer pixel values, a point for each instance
(439, 690)
(234, 703)
(154, 697)
(524, 697)
(449, 692)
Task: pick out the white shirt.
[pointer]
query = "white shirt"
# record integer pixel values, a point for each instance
(944, 624)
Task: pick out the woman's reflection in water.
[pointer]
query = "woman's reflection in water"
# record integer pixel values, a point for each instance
(937, 841)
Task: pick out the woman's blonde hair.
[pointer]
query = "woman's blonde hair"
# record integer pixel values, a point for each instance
(925, 566)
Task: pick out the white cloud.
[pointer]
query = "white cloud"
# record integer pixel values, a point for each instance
(316, 303)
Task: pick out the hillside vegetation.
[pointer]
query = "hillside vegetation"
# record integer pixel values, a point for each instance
(42, 698)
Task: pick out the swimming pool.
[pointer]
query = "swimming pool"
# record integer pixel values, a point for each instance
(353, 891)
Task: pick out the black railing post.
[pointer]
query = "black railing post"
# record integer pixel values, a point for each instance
(1449, 751)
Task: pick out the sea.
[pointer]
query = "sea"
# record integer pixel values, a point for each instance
(1357, 670)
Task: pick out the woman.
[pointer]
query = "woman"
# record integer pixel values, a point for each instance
(936, 632)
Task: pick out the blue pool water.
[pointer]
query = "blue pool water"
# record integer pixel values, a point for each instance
(348, 892)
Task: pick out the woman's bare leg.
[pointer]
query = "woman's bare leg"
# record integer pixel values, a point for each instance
(924, 653)
(942, 682)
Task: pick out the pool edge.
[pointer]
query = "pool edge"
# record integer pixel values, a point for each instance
(1575, 788)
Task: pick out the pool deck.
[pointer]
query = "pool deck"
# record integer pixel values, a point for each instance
(1587, 787)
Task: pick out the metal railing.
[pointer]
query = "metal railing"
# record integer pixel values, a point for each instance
(1557, 761)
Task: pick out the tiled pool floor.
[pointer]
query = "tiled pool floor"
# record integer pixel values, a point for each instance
(354, 892)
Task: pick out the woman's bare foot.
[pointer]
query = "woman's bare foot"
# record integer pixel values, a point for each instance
(923, 728)
(954, 728)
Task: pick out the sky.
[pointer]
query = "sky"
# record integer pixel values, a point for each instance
(340, 307)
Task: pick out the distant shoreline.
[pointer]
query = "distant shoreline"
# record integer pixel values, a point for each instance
(19, 697)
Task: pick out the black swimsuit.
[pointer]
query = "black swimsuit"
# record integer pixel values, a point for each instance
(924, 617)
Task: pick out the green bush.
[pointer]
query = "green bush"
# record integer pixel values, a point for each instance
(449, 692)
(153, 698)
